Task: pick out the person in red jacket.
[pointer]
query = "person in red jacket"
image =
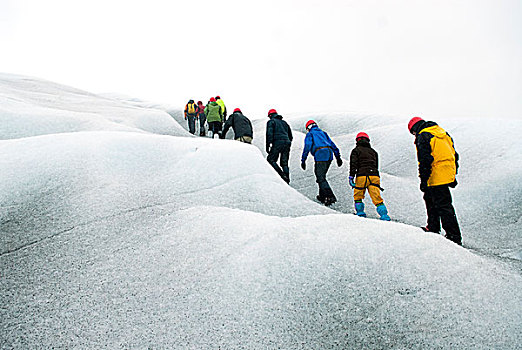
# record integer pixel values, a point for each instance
(202, 119)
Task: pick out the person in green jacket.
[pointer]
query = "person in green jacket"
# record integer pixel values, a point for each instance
(214, 114)
(223, 107)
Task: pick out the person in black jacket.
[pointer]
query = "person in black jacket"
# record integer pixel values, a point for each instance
(364, 162)
(278, 141)
(241, 125)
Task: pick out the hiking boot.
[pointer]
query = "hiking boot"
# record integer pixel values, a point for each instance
(329, 201)
(383, 212)
(426, 229)
(359, 209)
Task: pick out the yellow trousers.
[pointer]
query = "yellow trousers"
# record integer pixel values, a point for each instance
(366, 182)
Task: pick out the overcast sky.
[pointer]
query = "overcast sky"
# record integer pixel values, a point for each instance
(428, 57)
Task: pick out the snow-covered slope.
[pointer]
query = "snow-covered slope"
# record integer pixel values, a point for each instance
(31, 107)
(126, 239)
(487, 199)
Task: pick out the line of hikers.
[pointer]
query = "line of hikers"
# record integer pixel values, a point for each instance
(436, 155)
(215, 115)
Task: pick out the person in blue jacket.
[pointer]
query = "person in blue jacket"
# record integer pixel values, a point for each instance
(318, 143)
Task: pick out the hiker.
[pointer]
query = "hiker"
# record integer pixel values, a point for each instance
(438, 165)
(191, 111)
(278, 141)
(202, 118)
(318, 143)
(364, 174)
(241, 125)
(214, 115)
(223, 107)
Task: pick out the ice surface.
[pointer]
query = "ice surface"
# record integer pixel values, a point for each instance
(31, 107)
(117, 237)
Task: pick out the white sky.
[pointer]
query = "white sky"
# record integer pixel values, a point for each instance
(429, 58)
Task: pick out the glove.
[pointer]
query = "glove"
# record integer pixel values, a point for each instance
(423, 186)
(303, 165)
(350, 180)
(339, 162)
(453, 184)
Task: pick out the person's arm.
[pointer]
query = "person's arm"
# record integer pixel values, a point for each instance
(354, 162)
(227, 126)
(307, 147)
(422, 141)
(251, 128)
(269, 135)
(456, 154)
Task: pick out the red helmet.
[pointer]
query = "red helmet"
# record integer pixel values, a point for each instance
(309, 123)
(217, 97)
(212, 99)
(414, 121)
(237, 110)
(272, 111)
(362, 135)
(200, 103)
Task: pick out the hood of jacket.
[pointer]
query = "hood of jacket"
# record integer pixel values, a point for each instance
(434, 129)
(363, 143)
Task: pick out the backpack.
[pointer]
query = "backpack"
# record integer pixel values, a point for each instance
(191, 108)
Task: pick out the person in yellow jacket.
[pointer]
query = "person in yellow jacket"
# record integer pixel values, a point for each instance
(223, 107)
(438, 164)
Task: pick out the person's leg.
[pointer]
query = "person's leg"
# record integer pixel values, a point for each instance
(431, 211)
(214, 127)
(219, 126)
(325, 191)
(191, 124)
(272, 158)
(373, 190)
(202, 120)
(375, 194)
(285, 155)
(320, 177)
(358, 195)
(443, 203)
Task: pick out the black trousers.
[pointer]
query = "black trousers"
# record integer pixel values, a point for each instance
(320, 170)
(439, 208)
(202, 120)
(191, 123)
(215, 127)
(280, 151)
